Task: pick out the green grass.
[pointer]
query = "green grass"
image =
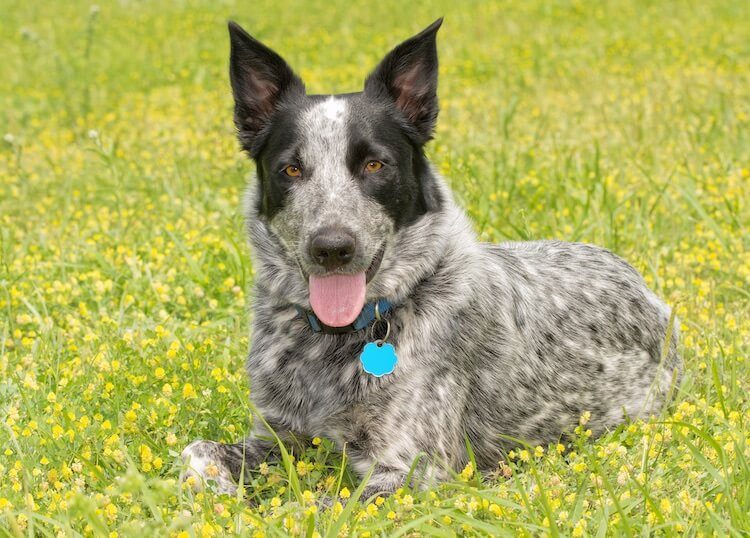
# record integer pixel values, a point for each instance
(124, 273)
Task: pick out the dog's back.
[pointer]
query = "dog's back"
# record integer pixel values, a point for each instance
(563, 328)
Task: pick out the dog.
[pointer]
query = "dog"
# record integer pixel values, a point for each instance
(382, 323)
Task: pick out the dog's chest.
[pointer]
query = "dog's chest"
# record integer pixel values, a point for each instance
(313, 383)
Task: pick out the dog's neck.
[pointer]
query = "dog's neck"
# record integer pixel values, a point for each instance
(366, 318)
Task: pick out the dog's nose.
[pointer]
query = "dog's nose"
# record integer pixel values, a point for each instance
(332, 247)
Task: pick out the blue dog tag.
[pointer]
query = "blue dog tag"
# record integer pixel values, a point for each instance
(378, 358)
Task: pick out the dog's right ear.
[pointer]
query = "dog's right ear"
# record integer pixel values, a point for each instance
(260, 79)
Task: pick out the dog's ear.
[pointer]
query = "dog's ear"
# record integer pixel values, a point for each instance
(408, 76)
(260, 80)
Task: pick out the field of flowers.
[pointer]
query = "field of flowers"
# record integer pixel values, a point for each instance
(124, 273)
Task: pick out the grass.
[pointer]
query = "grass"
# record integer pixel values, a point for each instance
(124, 272)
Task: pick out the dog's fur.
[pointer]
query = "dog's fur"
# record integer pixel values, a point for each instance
(495, 342)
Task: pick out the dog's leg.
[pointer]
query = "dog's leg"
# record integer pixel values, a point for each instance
(223, 464)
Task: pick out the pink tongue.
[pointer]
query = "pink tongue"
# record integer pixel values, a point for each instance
(337, 300)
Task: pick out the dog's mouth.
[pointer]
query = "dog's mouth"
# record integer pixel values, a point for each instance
(375, 265)
(338, 298)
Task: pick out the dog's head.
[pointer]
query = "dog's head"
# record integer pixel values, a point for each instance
(338, 176)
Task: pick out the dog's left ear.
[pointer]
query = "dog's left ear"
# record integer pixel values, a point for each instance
(408, 76)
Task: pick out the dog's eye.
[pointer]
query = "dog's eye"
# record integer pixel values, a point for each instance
(293, 171)
(373, 166)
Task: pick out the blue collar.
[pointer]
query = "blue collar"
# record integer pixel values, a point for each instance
(364, 320)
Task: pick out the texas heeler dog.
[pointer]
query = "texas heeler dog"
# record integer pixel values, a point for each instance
(382, 323)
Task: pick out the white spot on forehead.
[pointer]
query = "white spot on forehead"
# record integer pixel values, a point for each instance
(326, 118)
(324, 132)
(333, 109)
(324, 147)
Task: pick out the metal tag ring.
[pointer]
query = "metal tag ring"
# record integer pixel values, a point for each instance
(380, 341)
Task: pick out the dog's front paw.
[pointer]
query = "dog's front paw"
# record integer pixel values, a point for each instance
(203, 464)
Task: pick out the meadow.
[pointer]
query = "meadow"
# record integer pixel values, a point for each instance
(125, 278)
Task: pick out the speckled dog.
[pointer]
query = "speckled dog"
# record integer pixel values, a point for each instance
(494, 342)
